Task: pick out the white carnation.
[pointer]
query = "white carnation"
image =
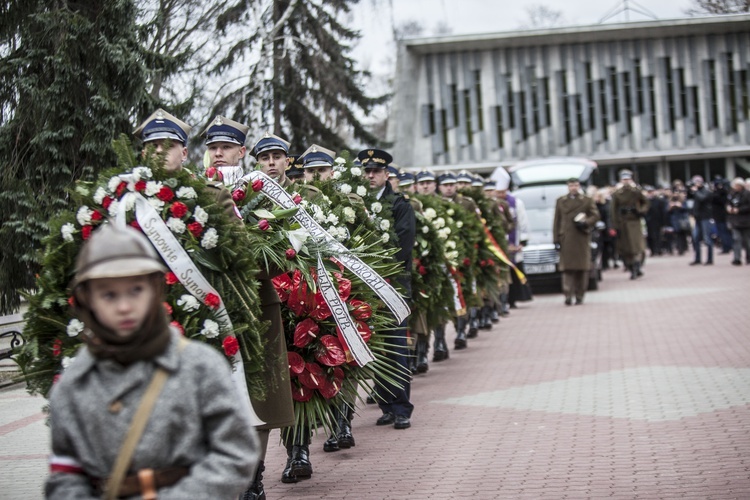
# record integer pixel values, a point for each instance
(361, 191)
(425, 253)
(142, 173)
(156, 203)
(210, 329)
(333, 218)
(319, 215)
(82, 190)
(356, 172)
(447, 230)
(349, 215)
(336, 175)
(113, 183)
(385, 225)
(345, 188)
(442, 233)
(425, 229)
(210, 239)
(74, 327)
(385, 237)
(439, 222)
(67, 231)
(99, 195)
(376, 207)
(188, 303)
(200, 215)
(339, 161)
(186, 193)
(153, 187)
(66, 361)
(430, 213)
(450, 244)
(129, 201)
(452, 255)
(176, 225)
(451, 212)
(459, 224)
(113, 207)
(83, 216)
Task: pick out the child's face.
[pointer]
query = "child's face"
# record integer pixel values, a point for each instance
(121, 304)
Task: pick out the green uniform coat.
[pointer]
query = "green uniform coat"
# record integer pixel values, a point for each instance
(575, 243)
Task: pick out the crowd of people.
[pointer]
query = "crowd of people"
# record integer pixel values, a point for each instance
(357, 268)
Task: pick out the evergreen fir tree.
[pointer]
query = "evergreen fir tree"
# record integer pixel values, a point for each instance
(305, 84)
(70, 77)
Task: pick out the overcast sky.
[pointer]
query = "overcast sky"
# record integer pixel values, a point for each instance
(373, 19)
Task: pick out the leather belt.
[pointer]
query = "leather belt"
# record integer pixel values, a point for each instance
(145, 483)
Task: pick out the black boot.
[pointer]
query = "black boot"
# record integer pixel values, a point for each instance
(412, 360)
(485, 321)
(494, 316)
(423, 345)
(345, 437)
(286, 475)
(460, 342)
(473, 323)
(440, 351)
(298, 464)
(256, 491)
(504, 309)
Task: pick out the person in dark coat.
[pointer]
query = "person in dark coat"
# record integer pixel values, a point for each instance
(575, 216)
(629, 204)
(656, 218)
(702, 213)
(393, 399)
(719, 202)
(738, 218)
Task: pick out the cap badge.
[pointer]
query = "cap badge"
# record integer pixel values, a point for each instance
(218, 121)
(159, 115)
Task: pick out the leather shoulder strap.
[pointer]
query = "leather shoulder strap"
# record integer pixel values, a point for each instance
(137, 426)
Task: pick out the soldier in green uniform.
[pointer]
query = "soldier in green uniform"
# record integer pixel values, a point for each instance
(629, 204)
(575, 216)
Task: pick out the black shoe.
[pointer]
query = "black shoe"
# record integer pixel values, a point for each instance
(401, 422)
(736, 263)
(301, 466)
(695, 263)
(331, 444)
(386, 419)
(568, 301)
(344, 437)
(709, 263)
(494, 316)
(256, 491)
(579, 302)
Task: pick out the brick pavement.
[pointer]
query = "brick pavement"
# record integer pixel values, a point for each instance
(642, 392)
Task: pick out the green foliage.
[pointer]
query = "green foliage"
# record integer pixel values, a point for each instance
(70, 75)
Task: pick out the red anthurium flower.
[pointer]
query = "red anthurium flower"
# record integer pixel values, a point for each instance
(330, 352)
(238, 195)
(171, 278)
(305, 332)
(140, 186)
(345, 288)
(301, 394)
(57, 347)
(179, 327)
(263, 225)
(283, 285)
(364, 330)
(165, 194)
(296, 363)
(178, 209)
(195, 228)
(360, 309)
(257, 185)
(320, 310)
(312, 376)
(230, 345)
(86, 231)
(290, 254)
(212, 300)
(300, 301)
(106, 202)
(334, 382)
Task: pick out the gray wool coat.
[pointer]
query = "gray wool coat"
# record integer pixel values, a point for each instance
(197, 422)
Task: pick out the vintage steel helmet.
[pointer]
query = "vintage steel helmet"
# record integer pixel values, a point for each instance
(113, 252)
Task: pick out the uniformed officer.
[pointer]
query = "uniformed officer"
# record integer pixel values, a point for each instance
(271, 152)
(426, 182)
(575, 216)
(394, 399)
(406, 183)
(629, 204)
(317, 163)
(393, 178)
(463, 180)
(168, 135)
(294, 170)
(225, 140)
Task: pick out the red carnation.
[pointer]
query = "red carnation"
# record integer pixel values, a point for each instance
(297, 199)
(168, 308)
(106, 202)
(296, 363)
(212, 300)
(72, 301)
(96, 215)
(195, 228)
(57, 347)
(178, 326)
(230, 345)
(290, 254)
(422, 270)
(136, 225)
(178, 209)
(140, 186)
(330, 352)
(165, 194)
(263, 224)
(301, 394)
(257, 185)
(86, 231)
(238, 195)
(171, 278)
(120, 189)
(360, 309)
(305, 332)
(466, 261)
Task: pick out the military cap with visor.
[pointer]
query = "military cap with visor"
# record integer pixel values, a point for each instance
(477, 181)
(270, 142)
(406, 179)
(374, 158)
(446, 178)
(294, 170)
(222, 129)
(317, 156)
(425, 175)
(162, 125)
(464, 176)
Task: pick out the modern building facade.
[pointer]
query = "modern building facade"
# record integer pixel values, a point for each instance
(669, 99)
